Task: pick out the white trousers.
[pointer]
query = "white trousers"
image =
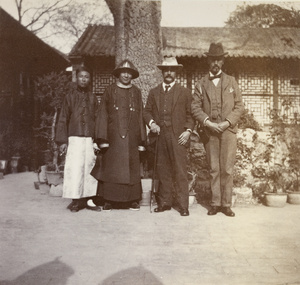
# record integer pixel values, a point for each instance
(80, 160)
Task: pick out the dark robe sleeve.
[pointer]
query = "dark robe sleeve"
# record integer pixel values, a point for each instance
(61, 135)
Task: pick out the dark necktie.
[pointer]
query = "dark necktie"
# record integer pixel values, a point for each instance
(167, 87)
(215, 76)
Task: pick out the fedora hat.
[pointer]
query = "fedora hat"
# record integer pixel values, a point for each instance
(169, 61)
(216, 50)
(126, 65)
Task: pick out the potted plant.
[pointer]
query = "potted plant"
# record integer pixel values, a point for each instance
(276, 196)
(50, 91)
(275, 156)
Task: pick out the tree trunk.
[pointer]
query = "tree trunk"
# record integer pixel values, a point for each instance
(138, 38)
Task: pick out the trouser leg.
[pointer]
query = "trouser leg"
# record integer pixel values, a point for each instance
(179, 163)
(227, 161)
(164, 169)
(212, 148)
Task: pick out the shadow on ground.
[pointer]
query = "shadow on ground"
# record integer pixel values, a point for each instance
(133, 275)
(54, 272)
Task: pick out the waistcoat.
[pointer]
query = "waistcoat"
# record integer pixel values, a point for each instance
(216, 101)
(166, 103)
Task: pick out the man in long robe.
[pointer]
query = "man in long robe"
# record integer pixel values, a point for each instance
(120, 134)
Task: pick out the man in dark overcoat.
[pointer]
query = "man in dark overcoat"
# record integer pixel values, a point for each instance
(120, 134)
(168, 115)
(217, 106)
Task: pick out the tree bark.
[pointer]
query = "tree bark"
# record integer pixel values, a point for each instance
(138, 38)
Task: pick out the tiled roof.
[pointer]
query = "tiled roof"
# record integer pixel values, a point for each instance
(98, 40)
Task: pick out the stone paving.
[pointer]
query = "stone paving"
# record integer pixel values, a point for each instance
(43, 243)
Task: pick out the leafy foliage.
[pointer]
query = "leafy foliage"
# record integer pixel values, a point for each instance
(263, 16)
(247, 121)
(50, 90)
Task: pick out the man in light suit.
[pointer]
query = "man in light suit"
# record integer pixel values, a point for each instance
(217, 106)
(168, 115)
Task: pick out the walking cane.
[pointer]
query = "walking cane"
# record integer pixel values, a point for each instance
(154, 173)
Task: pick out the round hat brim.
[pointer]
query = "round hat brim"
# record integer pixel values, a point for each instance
(117, 71)
(161, 66)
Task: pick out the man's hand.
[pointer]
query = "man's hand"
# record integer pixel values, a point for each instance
(217, 128)
(63, 148)
(224, 125)
(154, 128)
(184, 137)
(214, 127)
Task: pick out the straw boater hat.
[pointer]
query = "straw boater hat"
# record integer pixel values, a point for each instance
(169, 61)
(216, 50)
(126, 65)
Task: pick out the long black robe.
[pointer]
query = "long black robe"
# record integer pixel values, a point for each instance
(120, 123)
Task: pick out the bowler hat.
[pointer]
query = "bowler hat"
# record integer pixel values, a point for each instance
(216, 50)
(169, 61)
(126, 65)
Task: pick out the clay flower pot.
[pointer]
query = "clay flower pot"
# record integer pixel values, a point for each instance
(275, 199)
(293, 197)
(55, 178)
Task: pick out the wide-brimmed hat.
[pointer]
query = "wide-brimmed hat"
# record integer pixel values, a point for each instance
(126, 65)
(169, 61)
(215, 50)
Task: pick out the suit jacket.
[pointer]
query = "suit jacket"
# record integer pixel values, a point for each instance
(181, 116)
(232, 104)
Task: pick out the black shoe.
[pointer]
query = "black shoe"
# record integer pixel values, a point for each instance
(184, 212)
(76, 207)
(107, 207)
(134, 206)
(227, 211)
(71, 205)
(162, 209)
(213, 210)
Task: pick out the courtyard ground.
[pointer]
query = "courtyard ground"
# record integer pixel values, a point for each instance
(43, 243)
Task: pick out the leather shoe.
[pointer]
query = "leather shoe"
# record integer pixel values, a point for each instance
(184, 212)
(162, 209)
(228, 212)
(213, 210)
(76, 207)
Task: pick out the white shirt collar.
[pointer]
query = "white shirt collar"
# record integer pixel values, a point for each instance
(171, 85)
(210, 74)
(216, 80)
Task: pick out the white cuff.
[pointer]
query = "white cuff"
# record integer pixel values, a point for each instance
(205, 120)
(104, 145)
(151, 121)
